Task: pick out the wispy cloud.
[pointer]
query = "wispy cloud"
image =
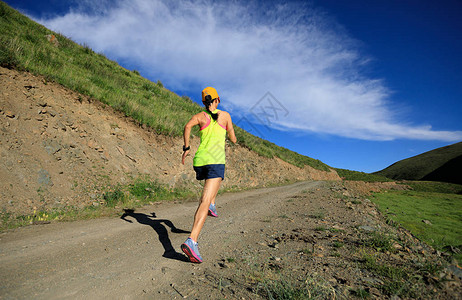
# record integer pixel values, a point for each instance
(294, 51)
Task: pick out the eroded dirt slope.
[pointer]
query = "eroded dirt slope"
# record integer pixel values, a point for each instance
(59, 149)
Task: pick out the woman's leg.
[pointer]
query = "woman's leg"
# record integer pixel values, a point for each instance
(209, 193)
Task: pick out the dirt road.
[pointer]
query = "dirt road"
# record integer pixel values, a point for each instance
(130, 258)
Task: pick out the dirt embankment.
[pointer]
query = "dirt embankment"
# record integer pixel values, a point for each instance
(59, 149)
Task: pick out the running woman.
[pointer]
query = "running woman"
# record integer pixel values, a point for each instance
(209, 162)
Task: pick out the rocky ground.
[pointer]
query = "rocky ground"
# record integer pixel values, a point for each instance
(330, 242)
(316, 239)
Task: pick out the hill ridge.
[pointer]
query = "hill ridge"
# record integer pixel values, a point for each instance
(441, 164)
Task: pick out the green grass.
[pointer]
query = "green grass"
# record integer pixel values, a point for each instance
(360, 293)
(338, 244)
(24, 46)
(318, 215)
(406, 281)
(312, 287)
(114, 196)
(434, 187)
(142, 191)
(10, 221)
(410, 208)
(379, 241)
(395, 277)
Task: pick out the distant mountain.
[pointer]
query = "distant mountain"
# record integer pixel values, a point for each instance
(442, 164)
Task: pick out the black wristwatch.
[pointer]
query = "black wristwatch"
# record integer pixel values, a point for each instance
(186, 148)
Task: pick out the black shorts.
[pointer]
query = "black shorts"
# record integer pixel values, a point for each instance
(210, 171)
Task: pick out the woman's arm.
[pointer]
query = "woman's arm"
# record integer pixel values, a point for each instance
(186, 134)
(230, 129)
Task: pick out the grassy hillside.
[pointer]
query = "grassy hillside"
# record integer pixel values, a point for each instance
(360, 176)
(24, 45)
(442, 164)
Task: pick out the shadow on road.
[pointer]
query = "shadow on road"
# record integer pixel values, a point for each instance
(158, 226)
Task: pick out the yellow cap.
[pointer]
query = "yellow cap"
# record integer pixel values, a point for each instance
(209, 91)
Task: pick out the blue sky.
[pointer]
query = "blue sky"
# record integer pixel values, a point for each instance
(356, 84)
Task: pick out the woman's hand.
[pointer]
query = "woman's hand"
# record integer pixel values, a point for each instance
(185, 153)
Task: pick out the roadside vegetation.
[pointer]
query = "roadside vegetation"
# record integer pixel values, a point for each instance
(140, 191)
(28, 46)
(431, 211)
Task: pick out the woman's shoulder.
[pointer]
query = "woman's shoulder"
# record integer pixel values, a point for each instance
(200, 114)
(224, 113)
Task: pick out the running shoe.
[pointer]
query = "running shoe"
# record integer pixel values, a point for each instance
(213, 211)
(191, 249)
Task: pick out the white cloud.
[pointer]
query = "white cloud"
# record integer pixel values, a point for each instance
(306, 61)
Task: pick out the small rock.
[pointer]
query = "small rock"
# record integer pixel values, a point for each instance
(333, 281)
(51, 146)
(374, 291)
(52, 39)
(9, 114)
(105, 156)
(225, 283)
(223, 264)
(44, 178)
(397, 246)
(340, 280)
(371, 280)
(91, 144)
(121, 150)
(273, 245)
(456, 270)
(338, 227)
(427, 222)
(367, 228)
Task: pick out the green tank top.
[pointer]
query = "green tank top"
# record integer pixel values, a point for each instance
(212, 147)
